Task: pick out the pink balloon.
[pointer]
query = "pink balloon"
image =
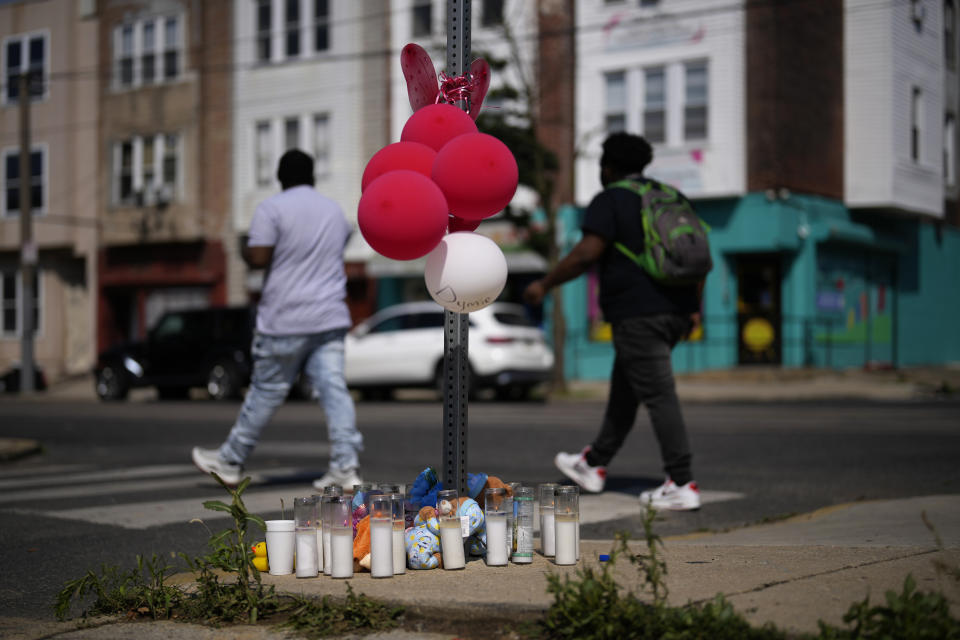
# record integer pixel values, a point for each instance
(477, 174)
(399, 155)
(459, 224)
(402, 214)
(437, 124)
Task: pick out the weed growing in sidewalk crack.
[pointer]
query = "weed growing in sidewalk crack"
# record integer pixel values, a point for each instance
(317, 619)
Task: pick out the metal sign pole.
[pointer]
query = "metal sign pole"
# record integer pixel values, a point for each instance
(456, 370)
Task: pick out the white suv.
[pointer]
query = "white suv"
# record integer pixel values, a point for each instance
(402, 346)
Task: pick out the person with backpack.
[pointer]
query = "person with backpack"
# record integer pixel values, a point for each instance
(652, 256)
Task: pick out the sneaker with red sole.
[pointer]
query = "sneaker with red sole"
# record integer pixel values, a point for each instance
(575, 467)
(669, 496)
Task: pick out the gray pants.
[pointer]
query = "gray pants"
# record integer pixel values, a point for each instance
(642, 373)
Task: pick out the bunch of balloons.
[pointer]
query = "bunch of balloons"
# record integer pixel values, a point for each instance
(425, 195)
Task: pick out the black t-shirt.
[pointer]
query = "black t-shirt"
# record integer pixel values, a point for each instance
(626, 290)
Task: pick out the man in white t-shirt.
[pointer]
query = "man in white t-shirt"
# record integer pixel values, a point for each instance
(298, 235)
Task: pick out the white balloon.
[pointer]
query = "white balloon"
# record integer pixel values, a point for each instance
(465, 272)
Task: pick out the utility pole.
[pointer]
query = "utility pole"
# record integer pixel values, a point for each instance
(456, 368)
(28, 249)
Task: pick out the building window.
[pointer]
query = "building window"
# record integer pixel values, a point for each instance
(11, 297)
(321, 25)
(11, 181)
(916, 123)
(695, 101)
(492, 13)
(148, 64)
(950, 34)
(146, 170)
(264, 18)
(292, 29)
(655, 105)
(950, 150)
(321, 144)
(615, 115)
(22, 54)
(650, 4)
(264, 157)
(422, 18)
(135, 52)
(291, 133)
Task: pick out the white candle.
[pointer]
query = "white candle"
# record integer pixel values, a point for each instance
(578, 537)
(327, 552)
(381, 548)
(341, 547)
(451, 544)
(399, 548)
(566, 539)
(496, 539)
(548, 544)
(306, 554)
(319, 550)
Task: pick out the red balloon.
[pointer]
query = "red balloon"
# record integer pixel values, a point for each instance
(437, 124)
(459, 224)
(402, 214)
(399, 155)
(478, 175)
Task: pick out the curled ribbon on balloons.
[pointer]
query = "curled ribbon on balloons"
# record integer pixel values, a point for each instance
(423, 89)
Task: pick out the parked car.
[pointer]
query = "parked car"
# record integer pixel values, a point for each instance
(402, 346)
(207, 348)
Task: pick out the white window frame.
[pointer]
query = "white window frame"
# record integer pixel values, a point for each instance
(160, 50)
(24, 41)
(5, 332)
(696, 103)
(141, 193)
(950, 34)
(322, 22)
(270, 41)
(651, 108)
(421, 5)
(322, 144)
(44, 179)
(616, 101)
(917, 122)
(263, 153)
(950, 150)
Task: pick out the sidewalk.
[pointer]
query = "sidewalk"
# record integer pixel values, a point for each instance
(789, 573)
(743, 384)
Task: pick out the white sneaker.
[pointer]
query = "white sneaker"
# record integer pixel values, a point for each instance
(670, 496)
(345, 478)
(575, 467)
(209, 461)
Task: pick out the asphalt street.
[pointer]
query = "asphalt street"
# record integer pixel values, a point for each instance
(114, 481)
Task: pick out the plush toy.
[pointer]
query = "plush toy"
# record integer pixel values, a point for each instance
(423, 540)
(260, 556)
(361, 545)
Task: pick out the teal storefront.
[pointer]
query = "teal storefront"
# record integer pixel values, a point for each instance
(800, 281)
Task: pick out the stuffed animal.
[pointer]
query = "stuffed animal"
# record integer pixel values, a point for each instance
(361, 545)
(260, 556)
(423, 540)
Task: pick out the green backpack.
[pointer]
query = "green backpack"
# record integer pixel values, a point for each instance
(675, 246)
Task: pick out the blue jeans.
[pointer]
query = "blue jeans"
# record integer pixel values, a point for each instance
(276, 362)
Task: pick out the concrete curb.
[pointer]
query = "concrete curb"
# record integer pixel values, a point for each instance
(16, 448)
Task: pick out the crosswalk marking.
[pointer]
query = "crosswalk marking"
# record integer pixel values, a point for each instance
(147, 471)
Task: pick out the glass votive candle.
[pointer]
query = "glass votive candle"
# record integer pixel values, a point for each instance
(523, 499)
(399, 528)
(575, 490)
(451, 538)
(388, 488)
(566, 516)
(381, 536)
(546, 493)
(341, 536)
(495, 514)
(305, 516)
(325, 521)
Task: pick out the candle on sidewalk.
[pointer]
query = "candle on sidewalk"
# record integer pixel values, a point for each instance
(325, 522)
(495, 515)
(566, 516)
(381, 536)
(451, 536)
(547, 540)
(399, 544)
(305, 515)
(341, 537)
